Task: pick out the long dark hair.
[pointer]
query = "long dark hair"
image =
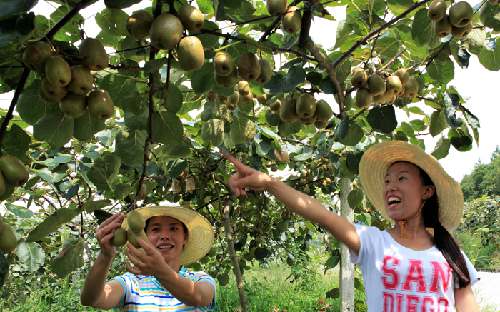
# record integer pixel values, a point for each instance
(442, 238)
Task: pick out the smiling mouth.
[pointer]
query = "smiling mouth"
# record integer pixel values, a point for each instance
(393, 201)
(165, 247)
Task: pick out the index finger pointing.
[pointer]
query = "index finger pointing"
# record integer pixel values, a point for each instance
(238, 164)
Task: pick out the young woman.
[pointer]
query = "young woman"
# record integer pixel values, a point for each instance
(414, 266)
(157, 281)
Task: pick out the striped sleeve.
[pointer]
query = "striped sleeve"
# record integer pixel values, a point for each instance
(126, 283)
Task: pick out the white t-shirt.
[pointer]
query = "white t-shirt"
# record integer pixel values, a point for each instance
(400, 279)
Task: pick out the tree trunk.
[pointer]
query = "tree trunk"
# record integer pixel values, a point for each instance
(346, 266)
(234, 258)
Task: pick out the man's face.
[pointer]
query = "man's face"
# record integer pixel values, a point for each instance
(167, 235)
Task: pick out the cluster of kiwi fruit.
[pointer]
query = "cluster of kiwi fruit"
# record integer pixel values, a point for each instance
(290, 15)
(72, 87)
(382, 88)
(166, 33)
(304, 108)
(136, 225)
(457, 21)
(13, 173)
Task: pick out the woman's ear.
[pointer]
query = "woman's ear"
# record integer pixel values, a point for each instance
(429, 191)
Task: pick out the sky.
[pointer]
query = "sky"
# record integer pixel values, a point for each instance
(478, 86)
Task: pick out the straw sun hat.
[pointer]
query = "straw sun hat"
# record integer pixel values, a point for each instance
(200, 237)
(377, 159)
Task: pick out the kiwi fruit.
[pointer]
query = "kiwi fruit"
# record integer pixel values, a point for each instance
(100, 104)
(57, 71)
(266, 72)
(243, 87)
(139, 23)
(411, 88)
(82, 80)
(292, 20)
(393, 84)
(227, 81)
(305, 106)
(135, 221)
(287, 110)
(460, 14)
(403, 75)
(133, 236)
(276, 7)
(275, 105)
(119, 237)
(13, 170)
(223, 63)
(461, 32)
(191, 18)
(73, 105)
(437, 10)
(359, 78)
(249, 66)
(8, 240)
(323, 111)
(93, 54)
(190, 53)
(443, 27)
(376, 84)
(166, 31)
(51, 93)
(364, 98)
(35, 54)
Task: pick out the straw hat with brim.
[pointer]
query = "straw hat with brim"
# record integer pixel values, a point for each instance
(201, 234)
(377, 159)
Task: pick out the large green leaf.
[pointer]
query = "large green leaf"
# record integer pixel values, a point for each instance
(442, 148)
(31, 256)
(104, 171)
(19, 211)
(173, 99)
(490, 57)
(388, 45)
(441, 71)
(421, 27)
(206, 6)
(91, 206)
(126, 93)
(112, 21)
(31, 107)
(438, 122)
(71, 30)
(55, 128)
(382, 118)
(281, 83)
(52, 223)
(353, 136)
(15, 7)
(16, 142)
(69, 259)
(355, 198)
(131, 148)
(399, 6)
(86, 126)
(203, 79)
(167, 128)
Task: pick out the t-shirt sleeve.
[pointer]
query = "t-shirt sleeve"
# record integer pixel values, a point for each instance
(367, 235)
(126, 283)
(202, 277)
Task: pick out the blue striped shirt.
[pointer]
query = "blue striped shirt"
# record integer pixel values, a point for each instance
(145, 293)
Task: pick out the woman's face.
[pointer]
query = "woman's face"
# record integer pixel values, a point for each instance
(404, 191)
(167, 235)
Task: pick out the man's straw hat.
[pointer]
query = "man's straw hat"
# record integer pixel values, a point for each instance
(377, 159)
(201, 234)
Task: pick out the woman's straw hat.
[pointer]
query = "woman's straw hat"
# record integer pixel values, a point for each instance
(377, 159)
(201, 234)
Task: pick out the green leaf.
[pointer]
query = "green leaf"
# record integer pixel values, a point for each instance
(112, 21)
(355, 199)
(31, 107)
(382, 118)
(104, 171)
(399, 6)
(490, 15)
(442, 148)
(418, 124)
(13, 8)
(490, 58)
(333, 260)
(31, 256)
(69, 259)
(205, 6)
(19, 211)
(71, 29)
(86, 126)
(49, 176)
(173, 99)
(131, 148)
(16, 142)
(126, 93)
(460, 140)
(352, 162)
(438, 122)
(388, 45)
(90, 206)
(353, 136)
(421, 27)
(52, 223)
(203, 79)
(442, 72)
(54, 128)
(167, 128)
